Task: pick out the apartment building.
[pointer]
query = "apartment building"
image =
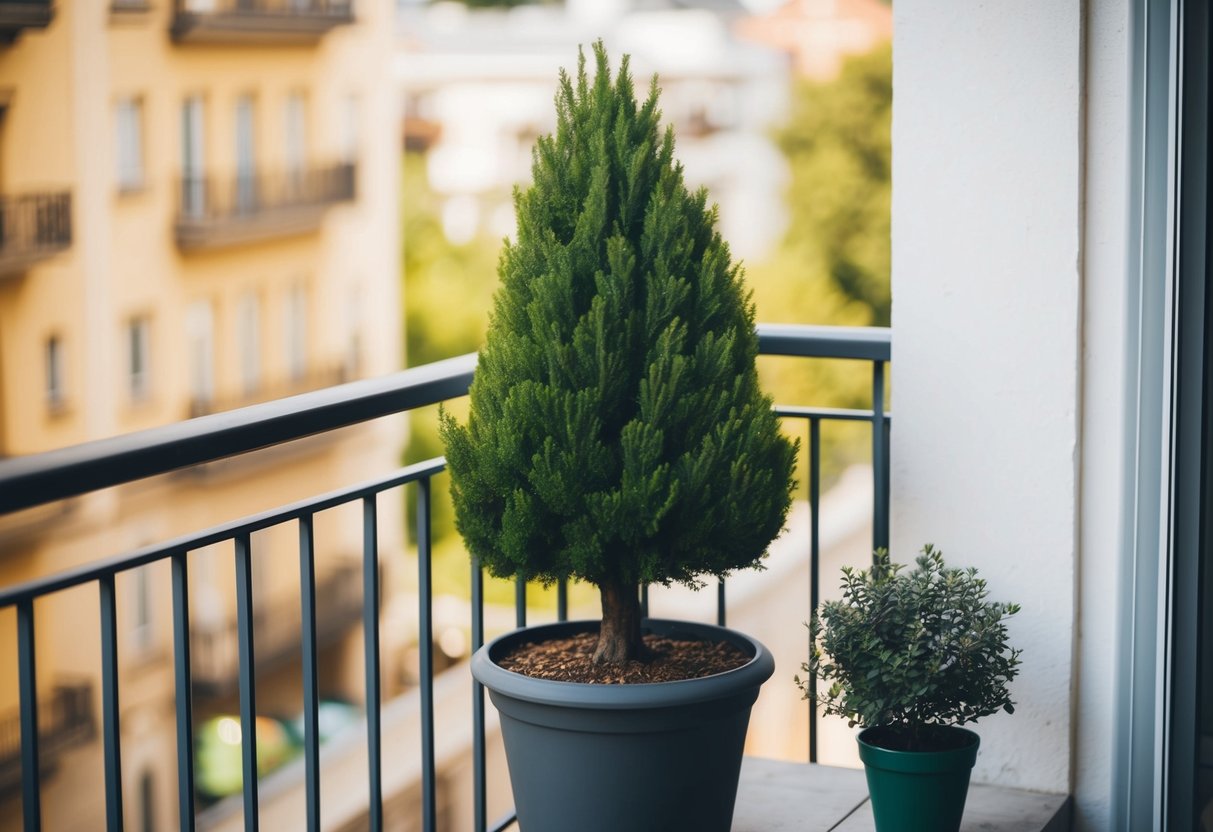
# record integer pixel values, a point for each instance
(197, 212)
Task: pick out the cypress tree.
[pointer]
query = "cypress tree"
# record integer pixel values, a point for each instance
(617, 431)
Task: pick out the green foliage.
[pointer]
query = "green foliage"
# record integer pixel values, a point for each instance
(448, 287)
(909, 650)
(838, 146)
(617, 431)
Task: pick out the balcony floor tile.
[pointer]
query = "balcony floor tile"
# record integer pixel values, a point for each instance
(777, 796)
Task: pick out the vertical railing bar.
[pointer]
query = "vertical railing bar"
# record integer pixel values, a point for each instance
(109, 704)
(885, 494)
(814, 559)
(880, 505)
(480, 809)
(644, 601)
(31, 799)
(720, 603)
(520, 602)
(562, 600)
(184, 704)
(311, 703)
(248, 693)
(370, 641)
(426, 637)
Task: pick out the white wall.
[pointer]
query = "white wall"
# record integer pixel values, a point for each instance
(987, 253)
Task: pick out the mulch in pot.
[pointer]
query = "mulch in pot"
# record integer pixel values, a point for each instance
(667, 660)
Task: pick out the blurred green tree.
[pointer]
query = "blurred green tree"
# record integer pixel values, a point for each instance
(838, 145)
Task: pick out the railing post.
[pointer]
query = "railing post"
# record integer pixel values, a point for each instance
(426, 637)
(184, 697)
(480, 811)
(370, 636)
(109, 705)
(880, 462)
(248, 675)
(311, 702)
(31, 800)
(814, 559)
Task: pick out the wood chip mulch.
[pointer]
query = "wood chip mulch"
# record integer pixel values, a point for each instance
(668, 660)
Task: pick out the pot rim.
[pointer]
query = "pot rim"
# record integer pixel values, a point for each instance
(919, 761)
(627, 696)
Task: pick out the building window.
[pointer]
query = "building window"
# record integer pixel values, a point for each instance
(296, 140)
(129, 124)
(296, 331)
(55, 392)
(353, 340)
(246, 166)
(248, 341)
(349, 129)
(141, 612)
(200, 334)
(138, 353)
(193, 161)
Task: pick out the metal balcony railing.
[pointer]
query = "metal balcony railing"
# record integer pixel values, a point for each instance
(33, 227)
(218, 211)
(65, 721)
(258, 21)
(34, 480)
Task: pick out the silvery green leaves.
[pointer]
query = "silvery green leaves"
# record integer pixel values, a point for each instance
(906, 649)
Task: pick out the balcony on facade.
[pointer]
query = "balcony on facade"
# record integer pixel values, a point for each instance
(214, 211)
(33, 227)
(258, 21)
(214, 646)
(18, 15)
(65, 721)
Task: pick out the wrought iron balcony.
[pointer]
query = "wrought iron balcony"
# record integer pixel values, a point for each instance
(18, 15)
(771, 795)
(258, 21)
(32, 228)
(56, 475)
(65, 721)
(223, 211)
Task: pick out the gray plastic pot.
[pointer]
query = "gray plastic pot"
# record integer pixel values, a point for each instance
(608, 758)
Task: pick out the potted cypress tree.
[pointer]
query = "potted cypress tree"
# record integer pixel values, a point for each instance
(909, 657)
(618, 435)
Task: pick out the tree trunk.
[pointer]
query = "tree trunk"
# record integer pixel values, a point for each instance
(619, 635)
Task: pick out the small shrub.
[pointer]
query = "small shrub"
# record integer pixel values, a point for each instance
(910, 650)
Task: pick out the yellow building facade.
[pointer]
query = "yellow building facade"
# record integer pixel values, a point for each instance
(198, 211)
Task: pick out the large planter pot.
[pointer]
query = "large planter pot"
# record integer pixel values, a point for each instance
(608, 758)
(918, 791)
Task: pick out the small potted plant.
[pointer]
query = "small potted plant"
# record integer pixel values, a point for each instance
(617, 435)
(909, 656)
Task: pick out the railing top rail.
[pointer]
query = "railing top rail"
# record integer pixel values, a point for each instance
(69, 472)
(94, 570)
(864, 343)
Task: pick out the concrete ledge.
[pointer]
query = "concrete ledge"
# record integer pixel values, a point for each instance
(775, 796)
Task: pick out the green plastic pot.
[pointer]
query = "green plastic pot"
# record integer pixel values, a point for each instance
(918, 791)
